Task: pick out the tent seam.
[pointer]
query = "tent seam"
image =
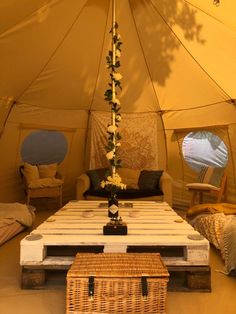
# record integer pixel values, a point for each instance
(210, 15)
(54, 52)
(188, 50)
(149, 72)
(87, 149)
(229, 101)
(100, 61)
(26, 17)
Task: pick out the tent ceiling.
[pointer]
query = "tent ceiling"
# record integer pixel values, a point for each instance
(53, 53)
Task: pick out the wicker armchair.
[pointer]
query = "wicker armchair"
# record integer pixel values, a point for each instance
(40, 186)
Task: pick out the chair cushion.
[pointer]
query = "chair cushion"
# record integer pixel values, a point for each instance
(125, 194)
(45, 183)
(47, 171)
(201, 186)
(149, 179)
(30, 172)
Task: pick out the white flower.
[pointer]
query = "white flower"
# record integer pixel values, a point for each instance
(118, 53)
(118, 117)
(110, 155)
(114, 181)
(116, 101)
(112, 128)
(117, 76)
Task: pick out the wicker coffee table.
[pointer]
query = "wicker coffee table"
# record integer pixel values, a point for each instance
(152, 227)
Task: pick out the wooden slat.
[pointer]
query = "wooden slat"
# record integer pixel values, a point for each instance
(131, 232)
(68, 260)
(102, 240)
(134, 226)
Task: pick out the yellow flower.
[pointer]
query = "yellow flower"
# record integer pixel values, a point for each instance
(116, 101)
(118, 117)
(117, 76)
(114, 181)
(118, 53)
(112, 128)
(110, 155)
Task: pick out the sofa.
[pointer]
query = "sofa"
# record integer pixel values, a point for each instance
(153, 185)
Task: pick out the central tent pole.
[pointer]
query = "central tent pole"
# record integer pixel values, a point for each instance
(113, 168)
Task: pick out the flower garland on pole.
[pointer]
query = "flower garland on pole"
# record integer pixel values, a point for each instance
(114, 182)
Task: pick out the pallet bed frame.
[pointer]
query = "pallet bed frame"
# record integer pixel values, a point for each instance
(157, 228)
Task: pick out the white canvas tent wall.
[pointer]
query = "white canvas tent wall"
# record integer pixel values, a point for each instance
(178, 60)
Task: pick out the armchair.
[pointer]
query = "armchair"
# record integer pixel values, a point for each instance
(42, 181)
(212, 181)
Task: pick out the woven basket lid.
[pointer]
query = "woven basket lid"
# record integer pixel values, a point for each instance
(118, 265)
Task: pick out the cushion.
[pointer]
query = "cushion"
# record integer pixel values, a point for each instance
(202, 186)
(129, 177)
(211, 175)
(47, 171)
(125, 194)
(149, 179)
(31, 172)
(96, 176)
(45, 183)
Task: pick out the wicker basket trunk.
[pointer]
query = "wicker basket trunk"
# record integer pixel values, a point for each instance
(117, 283)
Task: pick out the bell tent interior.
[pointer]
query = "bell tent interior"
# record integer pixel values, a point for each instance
(177, 99)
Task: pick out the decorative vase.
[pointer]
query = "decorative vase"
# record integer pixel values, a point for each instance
(113, 208)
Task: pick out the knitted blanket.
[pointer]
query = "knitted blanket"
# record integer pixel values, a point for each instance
(228, 245)
(217, 224)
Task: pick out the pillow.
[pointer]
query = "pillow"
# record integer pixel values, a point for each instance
(149, 179)
(96, 176)
(31, 172)
(47, 171)
(129, 177)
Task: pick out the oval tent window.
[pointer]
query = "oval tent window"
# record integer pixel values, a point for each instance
(203, 148)
(44, 147)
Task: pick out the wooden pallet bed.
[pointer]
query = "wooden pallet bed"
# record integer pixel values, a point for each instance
(155, 228)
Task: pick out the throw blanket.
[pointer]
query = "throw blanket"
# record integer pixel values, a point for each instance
(228, 247)
(217, 223)
(225, 208)
(11, 212)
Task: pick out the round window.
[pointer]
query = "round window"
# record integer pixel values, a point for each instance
(44, 147)
(203, 148)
